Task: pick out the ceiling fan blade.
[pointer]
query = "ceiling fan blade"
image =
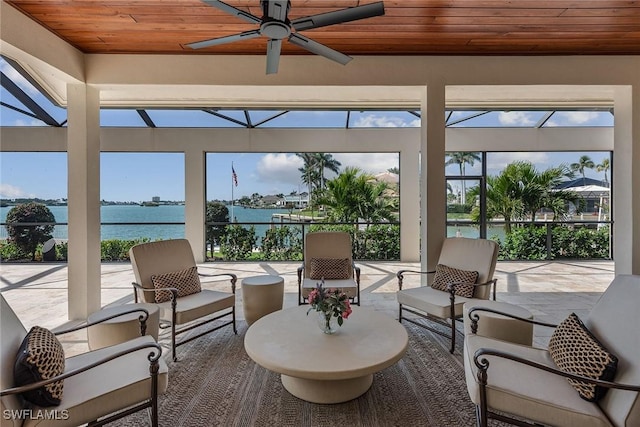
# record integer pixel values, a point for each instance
(273, 55)
(319, 49)
(338, 16)
(277, 9)
(233, 11)
(222, 40)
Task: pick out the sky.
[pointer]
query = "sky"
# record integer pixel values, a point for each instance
(140, 176)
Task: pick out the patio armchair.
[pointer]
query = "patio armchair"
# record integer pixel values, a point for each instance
(96, 387)
(588, 376)
(464, 273)
(328, 256)
(166, 274)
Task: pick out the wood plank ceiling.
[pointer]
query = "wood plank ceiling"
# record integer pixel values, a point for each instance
(409, 27)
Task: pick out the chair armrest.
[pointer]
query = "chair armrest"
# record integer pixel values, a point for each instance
(142, 319)
(400, 275)
(490, 282)
(300, 270)
(483, 365)
(153, 358)
(474, 317)
(174, 291)
(356, 269)
(232, 277)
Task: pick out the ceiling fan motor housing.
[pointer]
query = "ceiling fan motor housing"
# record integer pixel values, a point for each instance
(275, 29)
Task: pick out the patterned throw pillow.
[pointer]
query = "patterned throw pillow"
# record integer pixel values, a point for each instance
(186, 282)
(575, 350)
(40, 357)
(329, 268)
(445, 275)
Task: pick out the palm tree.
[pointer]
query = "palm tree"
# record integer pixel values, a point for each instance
(461, 158)
(583, 163)
(314, 167)
(604, 167)
(520, 191)
(354, 195)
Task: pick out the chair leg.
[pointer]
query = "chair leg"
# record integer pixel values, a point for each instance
(453, 336)
(173, 329)
(452, 313)
(478, 418)
(233, 315)
(400, 313)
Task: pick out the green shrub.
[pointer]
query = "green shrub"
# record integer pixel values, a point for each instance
(11, 252)
(28, 237)
(282, 244)
(62, 251)
(239, 242)
(117, 250)
(382, 242)
(377, 242)
(569, 242)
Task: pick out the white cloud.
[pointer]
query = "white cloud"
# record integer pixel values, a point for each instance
(276, 169)
(373, 121)
(26, 123)
(8, 191)
(279, 168)
(372, 163)
(496, 162)
(578, 117)
(515, 118)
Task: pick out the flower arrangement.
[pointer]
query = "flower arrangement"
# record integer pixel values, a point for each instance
(329, 303)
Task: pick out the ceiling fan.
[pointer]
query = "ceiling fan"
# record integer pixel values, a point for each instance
(276, 26)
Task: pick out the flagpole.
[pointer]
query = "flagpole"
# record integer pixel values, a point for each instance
(233, 202)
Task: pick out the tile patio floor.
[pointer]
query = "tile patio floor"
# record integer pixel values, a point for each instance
(550, 290)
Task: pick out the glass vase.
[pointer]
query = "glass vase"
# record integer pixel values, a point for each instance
(327, 323)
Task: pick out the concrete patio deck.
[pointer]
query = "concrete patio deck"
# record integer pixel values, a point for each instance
(550, 290)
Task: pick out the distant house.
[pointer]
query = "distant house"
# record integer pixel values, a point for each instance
(271, 201)
(594, 192)
(297, 200)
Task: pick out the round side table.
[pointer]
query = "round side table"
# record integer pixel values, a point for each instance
(121, 328)
(500, 327)
(261, 295)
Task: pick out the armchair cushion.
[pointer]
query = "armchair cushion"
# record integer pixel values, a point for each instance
(575, 350)
(535, 394)
(40, 357)
(329, 268)
(445, 275)
(185, 281)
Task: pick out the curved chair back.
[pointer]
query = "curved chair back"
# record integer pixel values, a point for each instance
(478, 255)
(12, 332)
(327, 244)
(160, 257)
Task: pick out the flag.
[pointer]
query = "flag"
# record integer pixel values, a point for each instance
(234, 176)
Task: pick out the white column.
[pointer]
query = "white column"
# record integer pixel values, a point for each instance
(626, 180)
(432, 194)
(83, 158)
(194, 209)
(410, 204)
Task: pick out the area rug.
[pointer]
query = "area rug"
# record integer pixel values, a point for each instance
(215, 383)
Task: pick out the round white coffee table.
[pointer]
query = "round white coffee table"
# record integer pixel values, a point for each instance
(261, 295)
(322, 368)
